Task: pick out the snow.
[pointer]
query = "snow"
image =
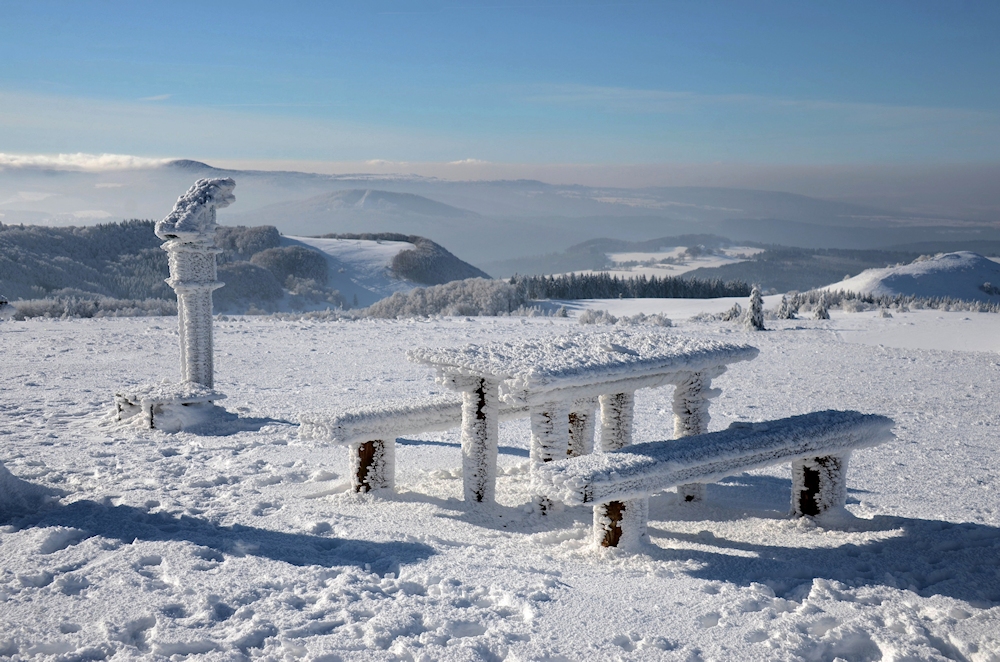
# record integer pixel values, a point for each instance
(534, 369)
(639, 470)
(359, 267)
(958, 275)
(245, 542)
(650, 264)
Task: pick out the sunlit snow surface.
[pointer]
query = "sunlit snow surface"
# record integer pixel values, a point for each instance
(239, 541)
(359, 267)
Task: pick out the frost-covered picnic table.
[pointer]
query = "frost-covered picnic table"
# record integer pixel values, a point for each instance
(561, 381)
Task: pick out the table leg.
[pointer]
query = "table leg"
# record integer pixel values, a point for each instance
(480, 434)
(617, 410)
(819, 484)
(690, 418)
(581, 428)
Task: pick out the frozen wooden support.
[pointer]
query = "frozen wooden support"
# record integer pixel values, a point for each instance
(373, 465)
(621, 523)
(691, 418)
(549, 432)
(819, 484)
(617, 411)
(480, 439)
(581, 428)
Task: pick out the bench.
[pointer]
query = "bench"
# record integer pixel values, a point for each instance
(619, 482)
(370, 433)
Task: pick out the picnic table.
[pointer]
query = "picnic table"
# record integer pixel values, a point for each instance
(563, 380)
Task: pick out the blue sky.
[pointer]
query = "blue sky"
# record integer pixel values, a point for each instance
(505, 82)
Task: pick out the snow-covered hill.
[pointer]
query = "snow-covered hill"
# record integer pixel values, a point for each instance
(360, 269)
(961, 275)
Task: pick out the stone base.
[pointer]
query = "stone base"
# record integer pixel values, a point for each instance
(165, 406)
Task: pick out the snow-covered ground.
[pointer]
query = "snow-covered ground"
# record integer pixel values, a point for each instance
(240, 541)
(959, 275)
(358, 267)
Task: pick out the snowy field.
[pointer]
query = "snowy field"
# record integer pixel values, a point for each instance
(359, 267)
(240, 541)
(650, 265)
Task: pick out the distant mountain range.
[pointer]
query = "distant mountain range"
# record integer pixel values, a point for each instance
(484, 222)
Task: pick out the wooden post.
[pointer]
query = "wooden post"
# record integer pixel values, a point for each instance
(480, 438)
(617, 410)
(549, 440)
(819, 484)
(621, 523)
(690, 418)
(373, 465)
(581, 428)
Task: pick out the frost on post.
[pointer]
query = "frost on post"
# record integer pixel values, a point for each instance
(189, 233)
(189, 239)
(691, 417)
(754, 320)
(480, 433)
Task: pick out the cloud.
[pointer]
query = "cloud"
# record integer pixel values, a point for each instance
(158, 97)
(79, 161)
(469, 162)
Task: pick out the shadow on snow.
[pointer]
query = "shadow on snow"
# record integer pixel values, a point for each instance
(127, 523)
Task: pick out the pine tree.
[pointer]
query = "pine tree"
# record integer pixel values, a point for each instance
(821, 312)
(754, 320)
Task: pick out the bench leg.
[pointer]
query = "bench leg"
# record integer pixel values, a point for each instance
(819, 484)
(373, 465)
(690, 418)
(617, 410)
(621, 523)
(581, 429)
(480, 434)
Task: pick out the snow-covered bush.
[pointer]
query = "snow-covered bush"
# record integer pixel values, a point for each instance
(787, 309)
(293, 261)
(590, 316)
(754, 318)
(70, 307)
(473, 296)
(733, 314)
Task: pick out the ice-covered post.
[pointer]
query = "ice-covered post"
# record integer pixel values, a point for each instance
(480, 439)
(819, 484)
(373, 465)
(581, 428)
(189, 236)
(549, 438)
(619, 523)
(691, 417)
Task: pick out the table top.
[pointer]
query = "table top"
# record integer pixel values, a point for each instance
(531, 370)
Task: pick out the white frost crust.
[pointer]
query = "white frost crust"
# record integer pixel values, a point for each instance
(617, 415)
(193, 217)
(389, 421)
(643, 469)
(542, 366)
(480, 442)
(549, 432)
(581, 427)
(381, 472)
(165, 406)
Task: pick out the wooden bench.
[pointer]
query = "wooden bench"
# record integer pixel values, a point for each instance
(619, 482)
(370, 433)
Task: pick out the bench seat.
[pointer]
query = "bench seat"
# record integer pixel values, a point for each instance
(817, 444)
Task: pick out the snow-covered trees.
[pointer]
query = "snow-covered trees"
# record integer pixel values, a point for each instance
(606, 286)
(821, 312)
(788, 308)
(754, 318)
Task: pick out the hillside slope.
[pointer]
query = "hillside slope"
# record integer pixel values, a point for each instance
(962, 275)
